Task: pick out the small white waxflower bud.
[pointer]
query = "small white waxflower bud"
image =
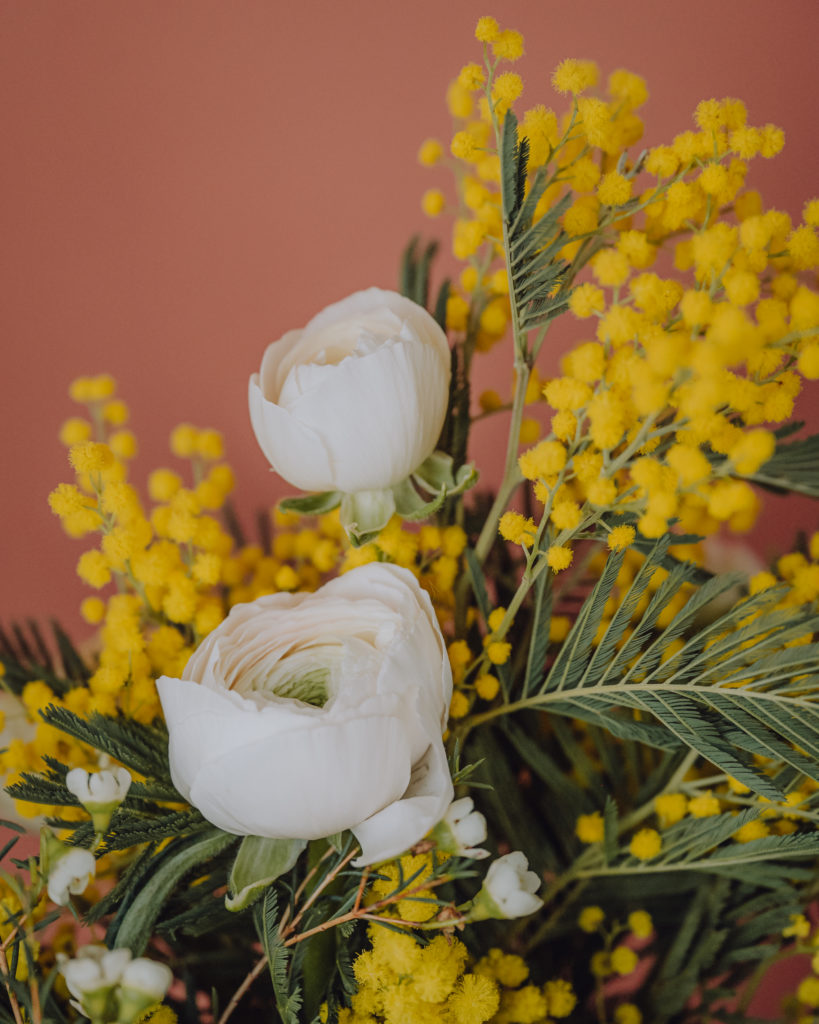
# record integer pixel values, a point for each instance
(144, 982)
(70, 871)
(91, 978)
(461, 830)
(100, 793)
(508, 889)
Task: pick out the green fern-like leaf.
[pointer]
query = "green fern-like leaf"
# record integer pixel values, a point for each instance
(142, 748)
(287, 994)
(535, 268)
(794, 466)
(736, 687)
(27, 655)
(136, 919)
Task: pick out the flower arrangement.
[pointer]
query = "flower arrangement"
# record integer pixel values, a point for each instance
(289, 758)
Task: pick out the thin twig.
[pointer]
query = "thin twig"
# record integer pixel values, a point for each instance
(4, 970)
(362, 884)
(314, 895)
(34, 991)
(453, 922)
(307, 878)
(370, 913)
(258, 967)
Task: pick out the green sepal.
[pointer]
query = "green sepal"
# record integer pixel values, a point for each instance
(336, 840)
(410, 505)
(312, 504)
(435, 474)
(483, 908)
(365, 514)
(258, 864)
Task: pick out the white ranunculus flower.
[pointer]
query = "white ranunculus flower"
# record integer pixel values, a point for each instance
(508, 889)
(304, 714)
(355, 401)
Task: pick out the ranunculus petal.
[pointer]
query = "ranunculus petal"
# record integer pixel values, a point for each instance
(322, 779)
(398, 826)
(378, 416)
(292, 448)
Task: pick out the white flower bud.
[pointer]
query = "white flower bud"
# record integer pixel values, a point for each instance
(461, 829)
(91, 977)
(143, 983)
(100, 793)
(99, 788)
(70, 874)
(376, 344)
(508, 889)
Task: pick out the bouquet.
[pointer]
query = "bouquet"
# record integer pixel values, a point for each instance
(424, 750)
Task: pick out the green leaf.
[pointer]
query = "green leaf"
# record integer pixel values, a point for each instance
(478, 582)
(312, 504)
(142, 748)
(439, 313)
(609, 830)
(794, 466)
(411, 506)
(288, 998)
(737, 686)
(678, 975)
(571, 660)
(135, 927)
(27, 656)
(510, 165)
(413, 276)
(406, 269)
(259, 862)
(539, 640)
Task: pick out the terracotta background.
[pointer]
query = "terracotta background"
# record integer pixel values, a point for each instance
(184, 181)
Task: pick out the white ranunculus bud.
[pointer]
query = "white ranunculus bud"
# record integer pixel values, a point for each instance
(143, 983)
(91, 978)
(508, 889)
(355, 401)
(306, 714)
(461, 830)
(69, 873)
(100, 793)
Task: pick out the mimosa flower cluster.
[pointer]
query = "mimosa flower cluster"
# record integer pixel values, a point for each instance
(666, 412)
